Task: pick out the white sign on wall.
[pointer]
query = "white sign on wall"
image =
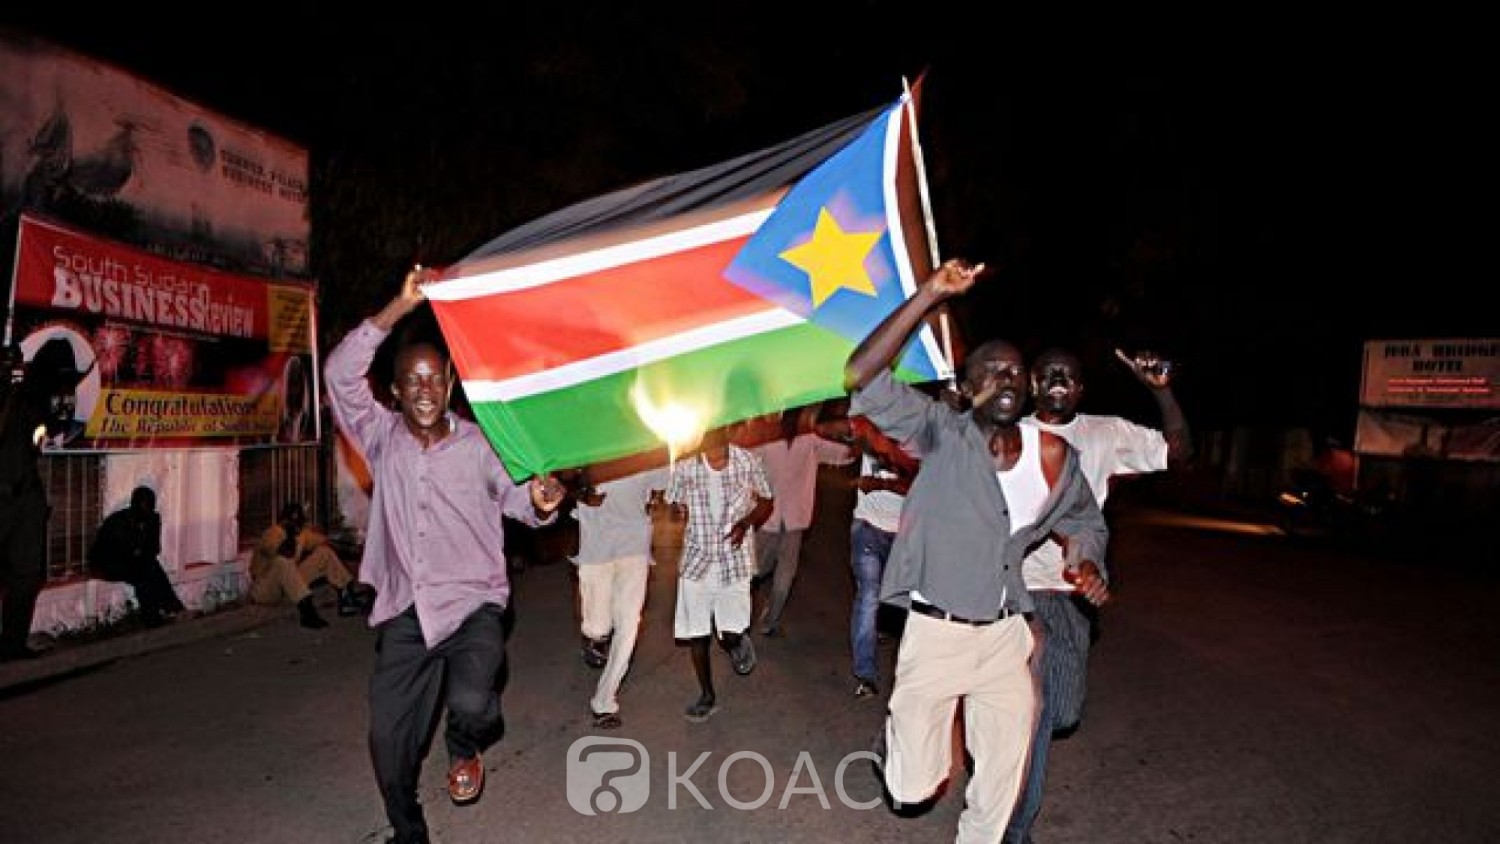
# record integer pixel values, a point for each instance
(1462, 373)
(84, 142)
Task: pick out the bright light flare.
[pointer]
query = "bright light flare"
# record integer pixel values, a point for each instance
(677, 423)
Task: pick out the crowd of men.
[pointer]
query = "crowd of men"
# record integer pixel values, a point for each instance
(981, 524)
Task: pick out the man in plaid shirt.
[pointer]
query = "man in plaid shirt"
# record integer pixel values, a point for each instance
(725, 494)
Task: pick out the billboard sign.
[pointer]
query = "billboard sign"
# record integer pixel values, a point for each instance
(91, 145)
(167, 354)
(1460, 373)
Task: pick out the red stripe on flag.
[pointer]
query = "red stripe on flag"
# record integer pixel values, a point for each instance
(520, 332)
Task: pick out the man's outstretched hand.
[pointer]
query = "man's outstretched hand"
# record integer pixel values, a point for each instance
(954, 277)
(1149, 368)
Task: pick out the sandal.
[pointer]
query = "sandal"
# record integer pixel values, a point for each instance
(700, 711)
(606, 721)
(595, 652)
(743, 656)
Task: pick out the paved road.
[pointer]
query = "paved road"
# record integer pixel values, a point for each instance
(1242, 691)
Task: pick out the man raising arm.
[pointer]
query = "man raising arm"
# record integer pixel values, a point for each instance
(435, 554)
(986, 490)
(1109, 447)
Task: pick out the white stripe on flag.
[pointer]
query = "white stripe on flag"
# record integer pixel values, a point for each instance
(580, 372)
(584, 263)
(925, 338)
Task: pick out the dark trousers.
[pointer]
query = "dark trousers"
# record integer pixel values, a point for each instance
(407, 687)
(23, 565)
(153, 589)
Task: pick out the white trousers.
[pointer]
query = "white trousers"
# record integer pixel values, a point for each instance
(612, 595)
(940, 663)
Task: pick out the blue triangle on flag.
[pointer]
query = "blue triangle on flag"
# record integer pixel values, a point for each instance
(851, 188)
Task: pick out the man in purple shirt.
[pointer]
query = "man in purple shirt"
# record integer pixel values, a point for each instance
(434, 553)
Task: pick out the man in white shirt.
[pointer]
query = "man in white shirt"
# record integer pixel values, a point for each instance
(1108, 447)
(614, 564)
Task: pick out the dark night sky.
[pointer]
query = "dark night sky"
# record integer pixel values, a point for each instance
(1255, 197)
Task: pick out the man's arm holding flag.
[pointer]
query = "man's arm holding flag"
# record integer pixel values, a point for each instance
(410, 296)
(879, 350)
(354, 404)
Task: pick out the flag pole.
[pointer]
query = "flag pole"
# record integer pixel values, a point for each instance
(932, 245)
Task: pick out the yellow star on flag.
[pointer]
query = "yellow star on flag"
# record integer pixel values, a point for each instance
(834, 259)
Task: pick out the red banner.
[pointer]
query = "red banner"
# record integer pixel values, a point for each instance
(164, 354)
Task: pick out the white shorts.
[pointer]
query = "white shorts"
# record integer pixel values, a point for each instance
(703, 605)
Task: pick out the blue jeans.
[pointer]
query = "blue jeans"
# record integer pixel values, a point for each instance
(869, 546)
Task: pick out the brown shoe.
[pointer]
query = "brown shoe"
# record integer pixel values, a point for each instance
(466, 780)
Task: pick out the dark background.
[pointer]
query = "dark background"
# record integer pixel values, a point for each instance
(1253, 194)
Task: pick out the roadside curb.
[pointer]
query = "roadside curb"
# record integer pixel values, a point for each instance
(68, 659)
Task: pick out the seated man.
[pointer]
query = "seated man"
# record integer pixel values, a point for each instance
(126, 549)
(291, 555)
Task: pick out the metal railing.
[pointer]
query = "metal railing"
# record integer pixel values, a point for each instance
(268, 478)
(75, 490)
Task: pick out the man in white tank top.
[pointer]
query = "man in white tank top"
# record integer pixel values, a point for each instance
(986, 491)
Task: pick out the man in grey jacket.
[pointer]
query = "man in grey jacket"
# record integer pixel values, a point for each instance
(987, 490)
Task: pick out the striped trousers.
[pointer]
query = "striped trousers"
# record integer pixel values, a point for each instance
(1060, 668)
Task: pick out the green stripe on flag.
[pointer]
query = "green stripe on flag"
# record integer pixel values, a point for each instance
(595, 421)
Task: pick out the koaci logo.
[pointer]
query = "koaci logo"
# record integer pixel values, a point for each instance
(608, 775)
(612, 776)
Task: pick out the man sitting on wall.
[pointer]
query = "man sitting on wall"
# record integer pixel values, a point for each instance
(127, 548)
(291, 555)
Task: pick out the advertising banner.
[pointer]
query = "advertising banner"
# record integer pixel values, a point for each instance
(89, 144)
(163, 354)
(1460, 373)
(1392, 434)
